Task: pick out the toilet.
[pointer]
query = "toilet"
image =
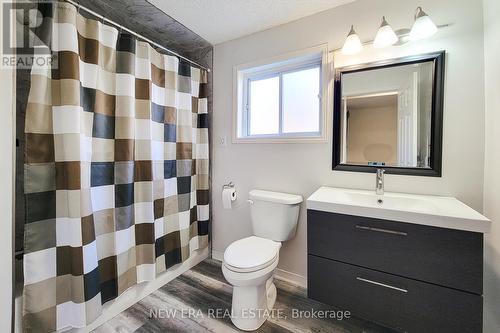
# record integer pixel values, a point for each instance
(249, 263)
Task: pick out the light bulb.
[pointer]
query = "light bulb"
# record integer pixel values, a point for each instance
(385, 35)
(352, 43)
(423, 26)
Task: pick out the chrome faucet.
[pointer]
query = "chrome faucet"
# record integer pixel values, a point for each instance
(379, 185)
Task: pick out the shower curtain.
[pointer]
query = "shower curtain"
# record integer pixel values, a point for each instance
(116, 169)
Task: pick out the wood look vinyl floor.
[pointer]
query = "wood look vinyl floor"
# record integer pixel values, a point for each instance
(200, 301)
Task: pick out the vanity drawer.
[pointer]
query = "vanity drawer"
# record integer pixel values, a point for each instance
(446, 257)
(393, 301)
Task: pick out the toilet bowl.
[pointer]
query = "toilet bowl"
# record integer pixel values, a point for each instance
(248, 266)
(249, 263)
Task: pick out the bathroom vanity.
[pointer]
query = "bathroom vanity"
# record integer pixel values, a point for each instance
(409, 262)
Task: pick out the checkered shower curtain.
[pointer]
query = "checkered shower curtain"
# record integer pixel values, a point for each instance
(116, 170)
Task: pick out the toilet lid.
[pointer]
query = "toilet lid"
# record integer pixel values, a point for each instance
(251, 252)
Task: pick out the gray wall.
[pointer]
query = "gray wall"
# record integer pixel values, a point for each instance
(303, 167)
(492, 165)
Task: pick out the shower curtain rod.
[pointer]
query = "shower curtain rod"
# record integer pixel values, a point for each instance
(78, 6)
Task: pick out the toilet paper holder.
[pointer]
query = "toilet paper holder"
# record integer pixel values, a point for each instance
(228, 185)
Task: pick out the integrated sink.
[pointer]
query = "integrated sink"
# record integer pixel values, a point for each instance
(438, 211)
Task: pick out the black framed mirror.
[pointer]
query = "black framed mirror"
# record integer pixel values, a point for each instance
(389, 114)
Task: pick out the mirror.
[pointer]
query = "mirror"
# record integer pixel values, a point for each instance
(389, 115)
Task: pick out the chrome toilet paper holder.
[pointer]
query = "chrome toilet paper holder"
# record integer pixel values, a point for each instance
(228, 185)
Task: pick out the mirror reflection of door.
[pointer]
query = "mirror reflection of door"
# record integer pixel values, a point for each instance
(407, 121)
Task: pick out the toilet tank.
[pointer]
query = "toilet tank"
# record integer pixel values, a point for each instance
(274, 215)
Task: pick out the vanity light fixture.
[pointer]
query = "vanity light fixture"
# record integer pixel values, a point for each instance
(423, 26)
(385, 35)
(352, 43)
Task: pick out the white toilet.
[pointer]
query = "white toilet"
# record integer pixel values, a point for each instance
(249, 263)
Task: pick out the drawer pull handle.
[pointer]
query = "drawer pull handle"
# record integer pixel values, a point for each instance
(381, 284)
(387, 231)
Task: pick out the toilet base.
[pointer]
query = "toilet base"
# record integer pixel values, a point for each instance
(254, 295)
(251, 305)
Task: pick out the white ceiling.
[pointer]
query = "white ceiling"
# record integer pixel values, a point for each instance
(221, 20)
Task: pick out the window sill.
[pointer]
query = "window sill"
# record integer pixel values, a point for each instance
(297, 139)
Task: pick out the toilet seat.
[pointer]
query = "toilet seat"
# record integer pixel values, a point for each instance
(251, 254)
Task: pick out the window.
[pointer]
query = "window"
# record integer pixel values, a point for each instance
(281, 100)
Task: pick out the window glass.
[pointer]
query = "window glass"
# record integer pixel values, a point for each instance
(264, 106)
(301, 101)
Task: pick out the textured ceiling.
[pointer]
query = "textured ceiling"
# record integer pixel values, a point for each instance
(218, 21)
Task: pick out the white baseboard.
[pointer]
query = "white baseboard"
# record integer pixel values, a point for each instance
(217, 255)
(291, 277)
(138, 292)
(281, 274)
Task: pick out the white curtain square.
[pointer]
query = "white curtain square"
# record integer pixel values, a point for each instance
(88, 74)
(171, 64)
(67, 147)
(170, 98)
(157, 151)
(171, 223)
(70, 314)
(142, 68)
(66, 119)
(184, 117)
(39, 266)
(170, 150)
(202, 151)
(203, 212)
(125, 106)
(108, 35)
(125, 85)
(69, 232)
(64, 37)
(184, 219)
(142, 150)
(203, 105)
(158, 95)
(142, 129)
(157, 130)
(184, 101)
(105, 245)
(159, 230)
(103, 197)
(170, 187)
(143, 212)
(89, 257)
(103, 150)
(125, 239)
(146, 272)
(106, 81)
(143, 192)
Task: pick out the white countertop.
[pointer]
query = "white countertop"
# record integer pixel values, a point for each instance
(436, 211)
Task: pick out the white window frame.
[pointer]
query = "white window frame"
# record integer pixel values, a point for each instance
(278, 66)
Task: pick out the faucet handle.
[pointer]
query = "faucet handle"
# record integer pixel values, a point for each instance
(380, 172)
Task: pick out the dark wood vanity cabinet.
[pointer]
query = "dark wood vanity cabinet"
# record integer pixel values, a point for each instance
(410, 277)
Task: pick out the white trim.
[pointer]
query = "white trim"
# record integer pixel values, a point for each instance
(307, 55)
(217, 255)
(291, 277)
(279, 273)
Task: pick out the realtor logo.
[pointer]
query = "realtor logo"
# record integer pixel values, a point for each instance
(27, 33)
